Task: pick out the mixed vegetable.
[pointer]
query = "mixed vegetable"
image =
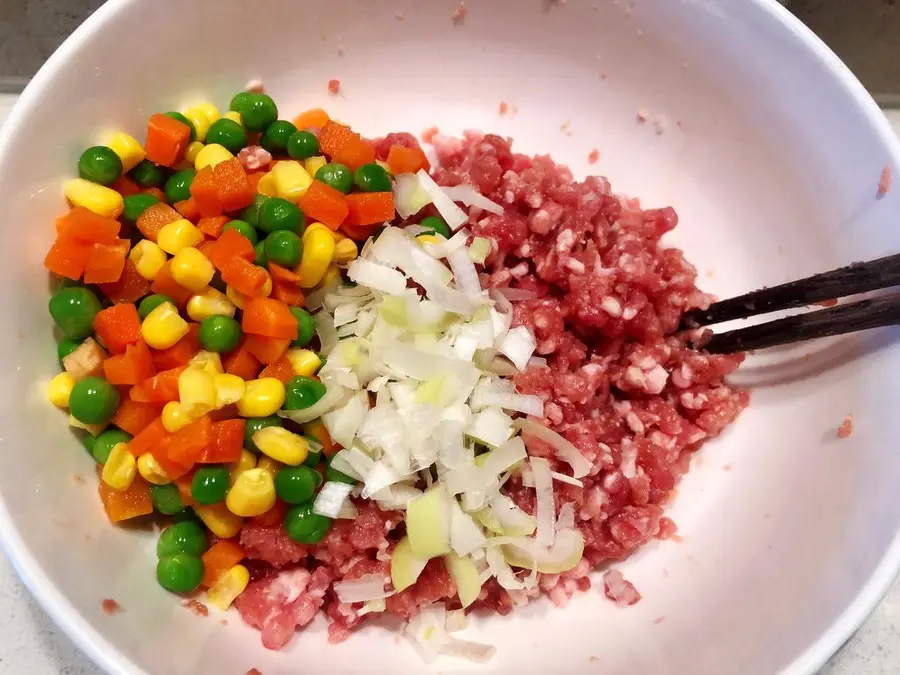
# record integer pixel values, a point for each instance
(188, 267)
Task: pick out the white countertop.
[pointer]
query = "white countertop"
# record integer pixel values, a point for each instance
(31, 643)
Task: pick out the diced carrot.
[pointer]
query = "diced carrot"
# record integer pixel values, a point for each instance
(166, 139)
(132, 367)
(401, 159)
(355, 152)
(316, 118)
(370, 208)
(242, 363)
(85, 225)
(154, 218)
(254, 177)
(359, 232)
(68, 257)
(231, 244)
(183, 483)
(212, 226)
(106, 263)
(234, 188)
(159, 389)
(244, 276)
(156, 192)
(266, 350)
(188, 209)
(287, 293)
(126, 504)
(281, 369)
(205, 193)
(335, 136)
(227, 442)
(130, 287)
(189, 444)
(272, 517)
(133, 417)
(125, 186)
(218, 559)
(269, 318)
(151, 435)
(324, 204)
(166, 284)
(318, 431)
(180, 353)
(172, 468)
(118, 326)
(280, 273)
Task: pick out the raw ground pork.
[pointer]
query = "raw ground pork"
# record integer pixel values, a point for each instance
(634, 399)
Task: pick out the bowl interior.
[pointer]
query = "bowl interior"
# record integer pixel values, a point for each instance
(760, 139)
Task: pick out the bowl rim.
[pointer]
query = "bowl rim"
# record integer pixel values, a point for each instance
(110, 659)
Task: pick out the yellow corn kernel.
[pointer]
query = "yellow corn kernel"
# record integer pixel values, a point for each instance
(210, 302)
(262, 397)
(229, 389)
(227, 587)
(245, 463)
(208, 362)
(318, 252)
(212, 112)
(127, 148)
(163, 327)
(59, 389)
(282, 445)
(270, 465)
(312, 227)
(210, 155)
(120, 469)
(196, 391)
(234, 116)
(150, 469)
(313, 164)
(191, 269)
(93, 429)
(430, 239)
(331, 277)
(178, 235)
(192, 150)
(148, 258)
(174, 417)
(237, 298)
(252, 494)
(345, 251)
(220, 521)
(101, 200)
(291, 180)
(304, 361)
(266, 185)
(201, 117)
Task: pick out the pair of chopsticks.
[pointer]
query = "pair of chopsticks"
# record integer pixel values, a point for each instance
(846, 318)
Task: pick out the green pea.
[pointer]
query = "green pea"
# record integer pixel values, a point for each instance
(100, 164)
(184, 120)
(66, 347)
(304, 526)
(302, 145)
(297, 484)
(437, 225)
(244, 228)
(284, 248)
(147, 174)
(73, 309)
(251, 213)
(180, 573)
(276, 138)
(240, 101)
(93, 400)
(337, 176)
(88, 442)
(106, 441)
(178, 187)
(166, 499)
(151, 302)
(210, 484)
(135, 205)
(261, 259)
(227, 133)
(219, 333)
(302, 392)
(332, 474)
(280, 214)
(306, 327)
(186, 514)
(187, 537)
(254, 424)
(372, 178)
(257, 110)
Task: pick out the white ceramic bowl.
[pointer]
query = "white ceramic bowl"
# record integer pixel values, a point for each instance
(771, 155)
